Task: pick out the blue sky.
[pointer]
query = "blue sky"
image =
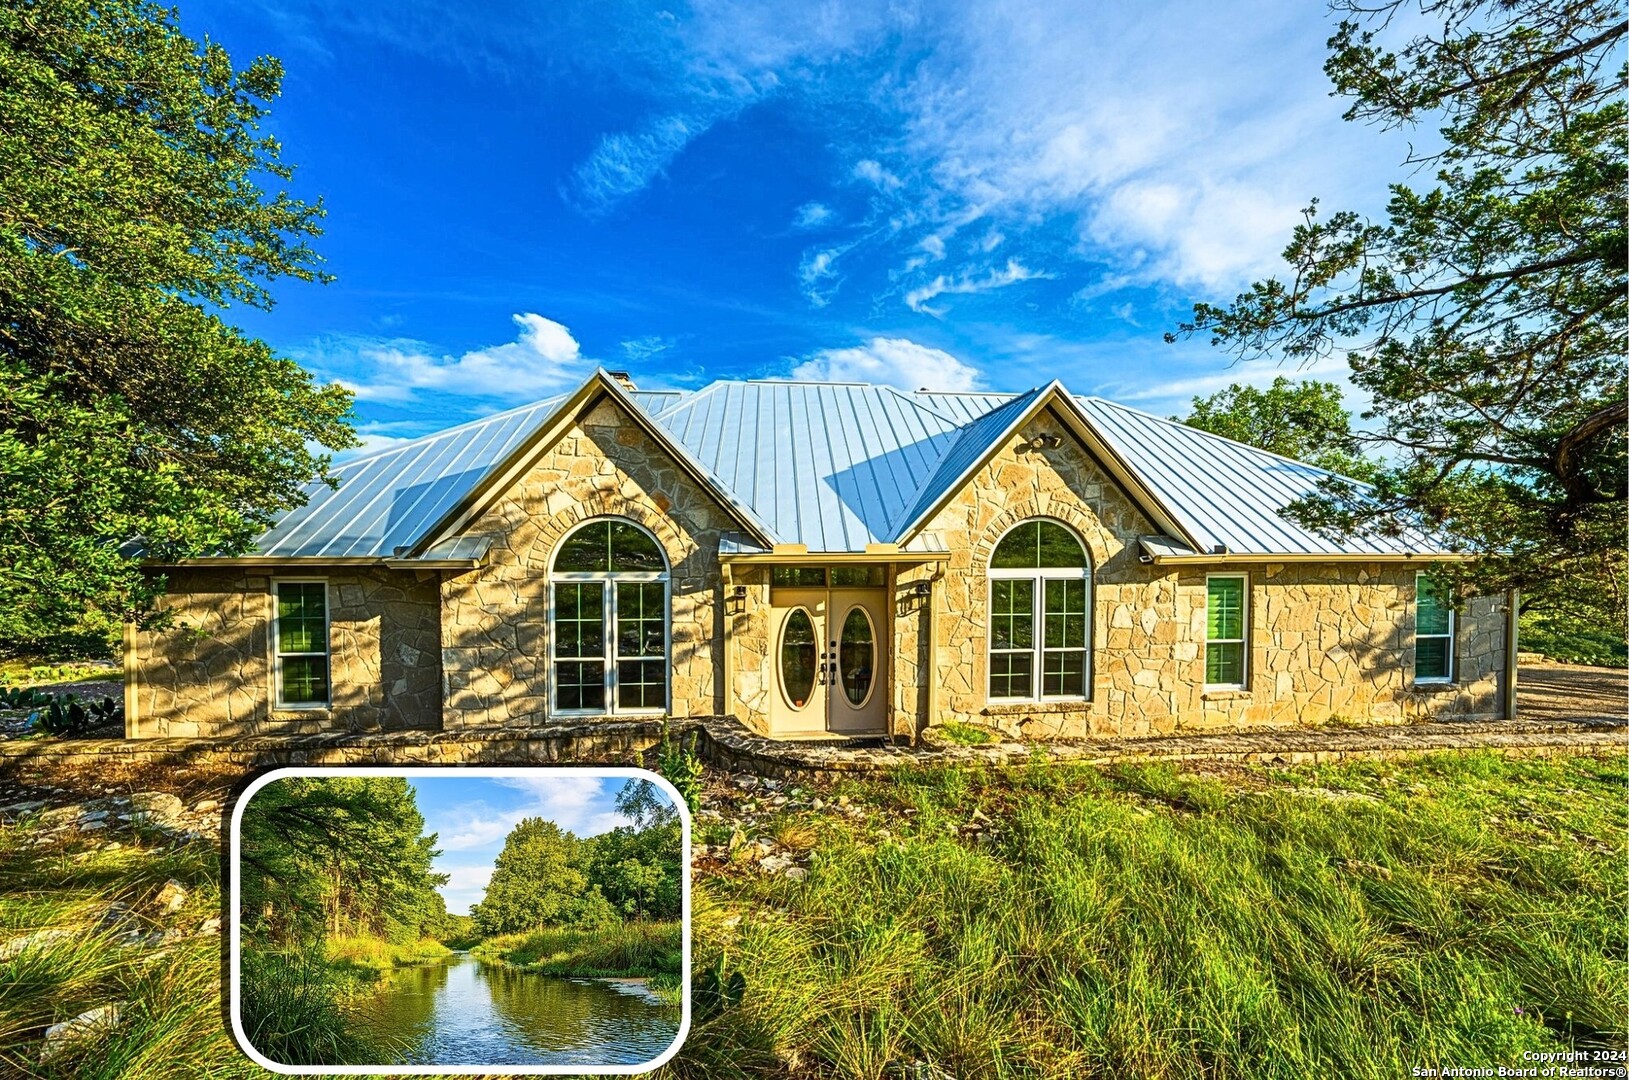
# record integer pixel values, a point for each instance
(983, 194)
(472, 815)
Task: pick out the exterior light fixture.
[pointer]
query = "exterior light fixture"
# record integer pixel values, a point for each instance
(1045, 442)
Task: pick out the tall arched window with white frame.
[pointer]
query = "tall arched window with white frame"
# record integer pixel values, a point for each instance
(608, 621)
(1040, 642)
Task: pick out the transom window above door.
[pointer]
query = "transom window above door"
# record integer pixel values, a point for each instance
(1040, 615)
(608, 621)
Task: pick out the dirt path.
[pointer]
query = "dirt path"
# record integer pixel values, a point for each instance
(1572, 692)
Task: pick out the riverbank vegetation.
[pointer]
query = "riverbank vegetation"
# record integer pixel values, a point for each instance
(337, 889)
(608, 905)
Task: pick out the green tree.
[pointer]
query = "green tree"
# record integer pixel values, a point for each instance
(134, 211)
(1485, 315)
(338, 855)
(539, 879)
(1302, 420)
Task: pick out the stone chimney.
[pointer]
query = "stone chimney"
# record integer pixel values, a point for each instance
(624, 378)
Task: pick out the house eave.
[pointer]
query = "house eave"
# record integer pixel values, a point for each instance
(1258, 558)
(313, 562)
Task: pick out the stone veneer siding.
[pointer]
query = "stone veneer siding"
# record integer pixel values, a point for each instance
(1327, 640)
(494, 630)
(210, 672)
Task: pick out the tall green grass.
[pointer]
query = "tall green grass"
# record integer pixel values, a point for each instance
(171, 1023)
(1356, 921)
(293, 1012)
(631, 949)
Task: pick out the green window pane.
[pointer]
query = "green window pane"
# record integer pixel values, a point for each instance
(1431, 608)
(640, 618)
(798, 577)
(1012, 614)
(1038, 543)
(1224, 608)
(641, 684)
(632, 550)
(1011, 675)
(1063, 673)
(579, 684)
(1431, 658)
(1065, 614)
(1224, 663)
(579, 618)
(856, 577)
(588, 550)
(305, 680)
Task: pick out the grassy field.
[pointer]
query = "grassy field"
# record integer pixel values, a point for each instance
(1045, 921)
(1356, 921)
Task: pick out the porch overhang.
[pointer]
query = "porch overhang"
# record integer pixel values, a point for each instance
(800, 555)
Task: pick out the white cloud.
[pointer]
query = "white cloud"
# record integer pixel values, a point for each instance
(575, 803)
(466, 884)
(872, 172)
(996, 278)
(544, 358)
(812, 215)
(817, 274)
(893, 361)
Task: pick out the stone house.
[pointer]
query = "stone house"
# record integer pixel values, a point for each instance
(815, 560)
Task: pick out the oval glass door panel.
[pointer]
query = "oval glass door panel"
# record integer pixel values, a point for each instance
(856, 652)
(798, 658)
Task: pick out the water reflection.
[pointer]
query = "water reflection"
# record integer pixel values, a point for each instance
(464, 1012)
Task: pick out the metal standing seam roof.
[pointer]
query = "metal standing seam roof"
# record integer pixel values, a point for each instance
(834, 466)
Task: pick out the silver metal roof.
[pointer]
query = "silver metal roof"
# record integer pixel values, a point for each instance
(834, 466)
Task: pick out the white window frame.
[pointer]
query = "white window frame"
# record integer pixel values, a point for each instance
(1450, 637)
(1243, 642)
(608, 654)
(277, 644)
(1039, 576)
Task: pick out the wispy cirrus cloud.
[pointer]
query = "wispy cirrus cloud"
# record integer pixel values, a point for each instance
(967, 283)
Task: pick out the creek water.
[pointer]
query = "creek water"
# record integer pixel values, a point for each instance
(465, 1012)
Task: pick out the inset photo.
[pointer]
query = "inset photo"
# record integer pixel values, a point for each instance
(460, 920)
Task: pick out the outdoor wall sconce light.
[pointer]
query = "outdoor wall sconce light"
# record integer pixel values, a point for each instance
(739, 593)
(1045, 442)
(922, 589)
(735, 600)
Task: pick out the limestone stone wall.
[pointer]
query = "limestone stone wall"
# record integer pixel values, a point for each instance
(210, 673)
(1328, 641)
(494, 633)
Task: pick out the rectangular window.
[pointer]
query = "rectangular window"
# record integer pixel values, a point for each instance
(300, 637)
(798, 577)
(1226, 617)
(1012, 638)
(1063, 653)
(857, 577)
(641, 645)
(579, 645)
(1433, 632)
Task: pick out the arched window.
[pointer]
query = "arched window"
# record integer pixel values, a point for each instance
(1040, 614)
(608, 620)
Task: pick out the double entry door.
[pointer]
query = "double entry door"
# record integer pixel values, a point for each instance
(828, 662)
